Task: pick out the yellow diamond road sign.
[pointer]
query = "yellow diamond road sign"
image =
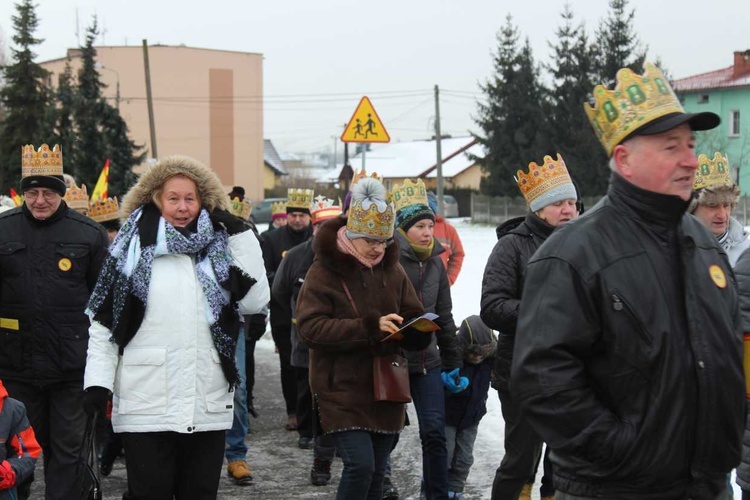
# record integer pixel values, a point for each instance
(365, 125)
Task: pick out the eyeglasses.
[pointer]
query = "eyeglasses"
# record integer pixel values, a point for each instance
(378, 243)
(48, 195)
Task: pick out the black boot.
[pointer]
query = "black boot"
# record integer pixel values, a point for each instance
(390, 492)
(321, 472)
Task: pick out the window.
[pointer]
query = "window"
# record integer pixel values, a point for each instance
(734, 123)
(703, 99)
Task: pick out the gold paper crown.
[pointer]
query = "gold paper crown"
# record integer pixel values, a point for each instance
(105, 210)
(541, 179)
(713, 173)
(323, 209)
(239, 208)
(77, 198)
(371, 222)
(42, 162)
(358, 176)
(635, 101)
(278, 208)
(410, 193)
(299, 198)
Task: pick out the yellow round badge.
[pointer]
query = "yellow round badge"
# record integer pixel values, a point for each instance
(717, 274)
(64, 264)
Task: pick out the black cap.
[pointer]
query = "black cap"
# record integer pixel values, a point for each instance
(697, 121)
(54, 182)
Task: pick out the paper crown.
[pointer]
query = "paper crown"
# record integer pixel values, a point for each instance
(278, 209)
(362, 174)
(239, 208)
(713, 172)
(371, 222)
(410, 193)
(77, 198)
(323, 209)
(635, 101)
(105, 210)
(299, 199)
(546, 183)
(42, 162)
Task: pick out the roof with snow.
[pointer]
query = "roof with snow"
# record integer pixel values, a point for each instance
(272, 159)
(415, 159)
(719, 79)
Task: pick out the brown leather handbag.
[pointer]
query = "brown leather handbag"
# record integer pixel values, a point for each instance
(390, 373)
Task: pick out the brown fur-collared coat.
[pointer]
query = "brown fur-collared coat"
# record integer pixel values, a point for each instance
(343, 343)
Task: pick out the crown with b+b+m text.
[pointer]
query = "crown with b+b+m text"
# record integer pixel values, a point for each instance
(241, 209)
(713, 172)
(299, 198)
(410, 193)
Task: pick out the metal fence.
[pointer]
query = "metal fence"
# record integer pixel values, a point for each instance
(497, 209)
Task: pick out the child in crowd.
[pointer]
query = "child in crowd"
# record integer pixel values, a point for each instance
(464, 410)
(19, 449)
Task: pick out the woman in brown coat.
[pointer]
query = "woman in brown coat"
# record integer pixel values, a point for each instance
(354, 295)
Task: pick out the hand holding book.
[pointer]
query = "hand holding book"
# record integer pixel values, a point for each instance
(424, 323)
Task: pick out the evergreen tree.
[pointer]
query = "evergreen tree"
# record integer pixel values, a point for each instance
(617, 44)
(25, 98)
(65, 125)
(511, 117)
(572, 71)
(121, 152)
(90, 155)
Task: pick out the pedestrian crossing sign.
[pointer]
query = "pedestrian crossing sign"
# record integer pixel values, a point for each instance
(365, 125)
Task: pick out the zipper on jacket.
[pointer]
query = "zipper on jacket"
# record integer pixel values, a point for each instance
(619, 305)
(423, 353)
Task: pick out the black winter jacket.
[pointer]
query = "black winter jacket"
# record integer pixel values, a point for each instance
(47, 271)
(286, 285)
(502, 286)
(628, 360)
(430, 281)
(742, 271)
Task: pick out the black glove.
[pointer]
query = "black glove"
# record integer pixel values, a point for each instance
(233, 224)
(256, 326)
(95, 400)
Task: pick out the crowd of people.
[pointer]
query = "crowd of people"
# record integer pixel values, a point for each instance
(614, 338)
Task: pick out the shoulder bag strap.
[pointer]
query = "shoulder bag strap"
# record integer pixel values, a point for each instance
(349, 296)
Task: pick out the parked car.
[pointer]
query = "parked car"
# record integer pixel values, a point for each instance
(262, 211)
(450, 205)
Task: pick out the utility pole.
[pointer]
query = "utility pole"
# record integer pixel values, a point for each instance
(439, 148)
(149, 101)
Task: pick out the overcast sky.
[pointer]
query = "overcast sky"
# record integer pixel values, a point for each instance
(321, 56)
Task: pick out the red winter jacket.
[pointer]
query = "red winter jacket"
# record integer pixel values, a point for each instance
(453, 257)
(19, 447)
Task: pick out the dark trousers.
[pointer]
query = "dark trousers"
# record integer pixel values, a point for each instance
(282, 338)
(167, 465)
(364, 455)
(523, 448)
(428, 395)
(304, 403)
(250, 371)
(56, 414)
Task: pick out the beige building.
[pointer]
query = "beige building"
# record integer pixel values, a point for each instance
(208, 104)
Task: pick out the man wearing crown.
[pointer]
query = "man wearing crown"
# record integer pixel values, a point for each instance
(275, 245)
(628, 354)
(716, 196)
(50, 257)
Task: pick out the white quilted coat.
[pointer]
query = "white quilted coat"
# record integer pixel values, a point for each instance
(169, 377)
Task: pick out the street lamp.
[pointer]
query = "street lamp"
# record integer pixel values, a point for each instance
(99, 65)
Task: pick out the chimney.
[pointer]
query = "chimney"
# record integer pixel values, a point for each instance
(741, 64)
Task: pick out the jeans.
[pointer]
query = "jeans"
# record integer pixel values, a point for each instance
(429, 402)
(236, 447)
(561, 495)
(460, 444)
(364, 455)
(523, 447)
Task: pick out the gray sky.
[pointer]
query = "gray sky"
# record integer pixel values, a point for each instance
(322, 56)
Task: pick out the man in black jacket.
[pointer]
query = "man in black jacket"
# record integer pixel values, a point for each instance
(275, 244)
(50, 257)
(628, 355)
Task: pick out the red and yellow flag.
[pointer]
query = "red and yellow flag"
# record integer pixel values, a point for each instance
(16, 197)
(102, 185)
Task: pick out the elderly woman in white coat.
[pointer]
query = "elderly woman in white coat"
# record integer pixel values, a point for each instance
(165, 321)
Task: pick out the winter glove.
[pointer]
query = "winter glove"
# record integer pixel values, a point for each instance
(95, 400)
(233, 224)
(7, 476)
(256, 326)
(453, 382)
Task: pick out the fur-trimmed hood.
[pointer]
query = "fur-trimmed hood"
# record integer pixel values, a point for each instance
(714, 195)
(324, 246)
(210, 189)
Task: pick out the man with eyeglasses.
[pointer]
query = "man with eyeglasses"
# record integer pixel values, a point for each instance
(50, 257)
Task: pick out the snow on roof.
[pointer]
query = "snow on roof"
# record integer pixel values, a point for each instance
(328, 175)
(719, 79)
(460, 162)
(407, 159)
(272, 159)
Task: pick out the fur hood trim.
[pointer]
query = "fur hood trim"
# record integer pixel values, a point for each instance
(324, 246)
(210, 189)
